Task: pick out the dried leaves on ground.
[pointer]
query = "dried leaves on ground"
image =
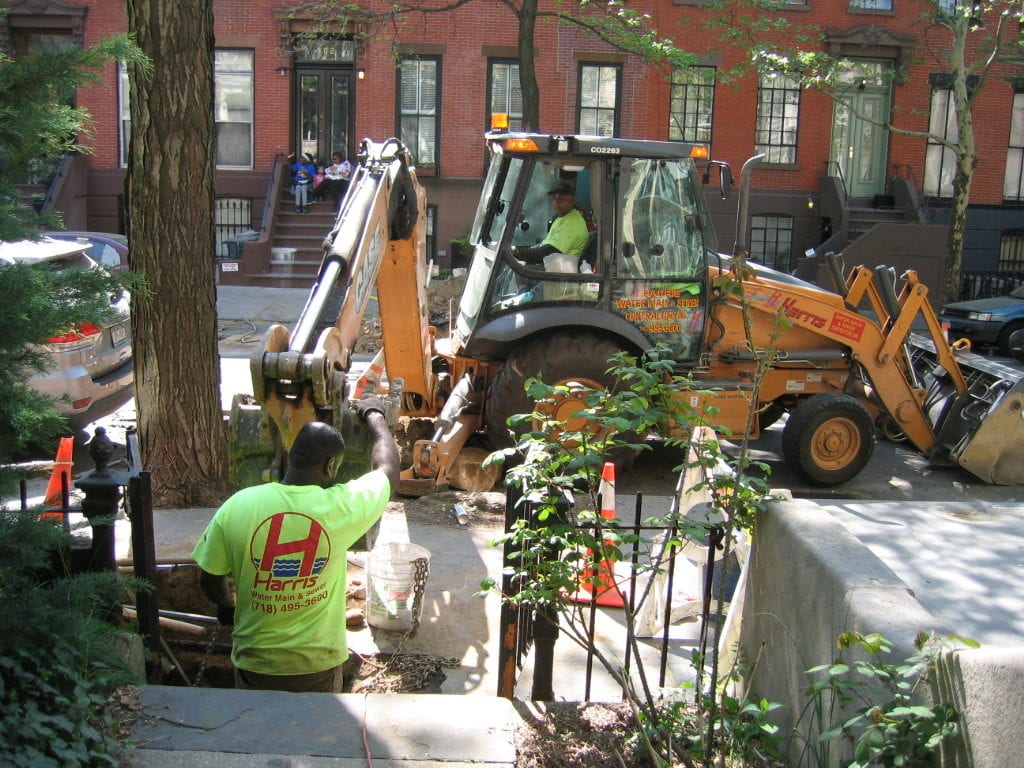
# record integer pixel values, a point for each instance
(595, 735)
(577, 735)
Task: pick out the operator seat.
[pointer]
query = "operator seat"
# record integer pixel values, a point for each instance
(589, 253)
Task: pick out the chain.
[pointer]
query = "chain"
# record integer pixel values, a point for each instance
(206, 656)
(414, 669)
(419, 586)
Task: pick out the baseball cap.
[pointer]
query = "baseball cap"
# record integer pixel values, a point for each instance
(563, 189)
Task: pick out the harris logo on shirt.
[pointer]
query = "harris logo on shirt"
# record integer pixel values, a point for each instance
(289, 550)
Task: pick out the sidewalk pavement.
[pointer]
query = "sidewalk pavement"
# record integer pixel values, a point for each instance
(260, 304)
(222, 728)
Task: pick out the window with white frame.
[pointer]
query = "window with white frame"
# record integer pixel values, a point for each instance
(1013, 176)
(871, 5)
(506, 93)
(778, 113)
(233, 107)
(940, 160)
(771, 240)
(598, 97)
(419, 96)
(691, 104)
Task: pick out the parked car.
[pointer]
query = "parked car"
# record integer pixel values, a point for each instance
(986, 322)
(92, 373)
(108, 249)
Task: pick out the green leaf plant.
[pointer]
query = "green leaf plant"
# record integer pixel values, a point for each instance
(890, 726)
(58, 656)
(557, 470)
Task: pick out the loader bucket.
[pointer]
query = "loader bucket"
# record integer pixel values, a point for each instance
(994, 451)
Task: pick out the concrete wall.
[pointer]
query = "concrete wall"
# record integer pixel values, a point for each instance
(807, 580)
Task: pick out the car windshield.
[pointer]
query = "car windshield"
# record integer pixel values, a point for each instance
(1018, 292)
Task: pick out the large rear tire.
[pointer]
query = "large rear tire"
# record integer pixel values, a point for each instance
(828, 439)
(561, 358)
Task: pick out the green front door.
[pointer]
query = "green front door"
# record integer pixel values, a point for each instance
(859, 142)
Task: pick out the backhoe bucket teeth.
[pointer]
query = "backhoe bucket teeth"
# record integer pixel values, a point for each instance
(994, 450)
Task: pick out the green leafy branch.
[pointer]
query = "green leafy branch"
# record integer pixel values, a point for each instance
(899, 730)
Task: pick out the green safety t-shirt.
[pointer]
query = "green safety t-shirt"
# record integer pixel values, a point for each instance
(286, 547)
(568, 233)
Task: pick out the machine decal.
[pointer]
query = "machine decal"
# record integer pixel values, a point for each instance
(794, 386)
(847, 326)
(673, 310)
(366, 279)
(800, 315)
(755, 295)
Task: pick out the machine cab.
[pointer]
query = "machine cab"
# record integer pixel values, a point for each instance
(630, 258)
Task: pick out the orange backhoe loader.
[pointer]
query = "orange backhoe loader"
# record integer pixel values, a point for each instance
(849, 364)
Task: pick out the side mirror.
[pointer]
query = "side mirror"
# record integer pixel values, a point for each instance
(726, 182)
(724, 176)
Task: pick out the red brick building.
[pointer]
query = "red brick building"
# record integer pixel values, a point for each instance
(287, 83)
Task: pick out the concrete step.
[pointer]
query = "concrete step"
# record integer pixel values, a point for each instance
(223, 728)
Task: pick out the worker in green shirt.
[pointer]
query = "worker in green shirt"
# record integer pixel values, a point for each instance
(284, 545)
(567, 234)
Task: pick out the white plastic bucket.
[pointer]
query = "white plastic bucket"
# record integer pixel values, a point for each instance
(391, 585)
(283, 254)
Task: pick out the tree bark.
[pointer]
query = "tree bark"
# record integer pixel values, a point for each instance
(966, 160)
(527, 70)
(170, 196)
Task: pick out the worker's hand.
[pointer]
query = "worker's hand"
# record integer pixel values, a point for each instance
(226, 615)
(365, 407)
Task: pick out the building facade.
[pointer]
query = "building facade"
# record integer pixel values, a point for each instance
(288, 81)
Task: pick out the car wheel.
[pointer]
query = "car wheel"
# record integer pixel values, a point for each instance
(1004, 336)
(1016, 343)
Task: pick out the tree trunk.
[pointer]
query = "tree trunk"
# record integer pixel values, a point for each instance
(966, 160)
(170, 216)
(527, 71)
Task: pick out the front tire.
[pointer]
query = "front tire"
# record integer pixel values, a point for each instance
(557, 359)
(828, 439)
(1004, 343)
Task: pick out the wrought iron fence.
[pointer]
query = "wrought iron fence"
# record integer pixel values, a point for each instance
(232, 218)
(647, 644)
(987, 284)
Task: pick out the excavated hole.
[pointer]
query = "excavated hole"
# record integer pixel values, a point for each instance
(178, 590)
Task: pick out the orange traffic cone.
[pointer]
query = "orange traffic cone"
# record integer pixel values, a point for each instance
(60, 478)
(600, 587)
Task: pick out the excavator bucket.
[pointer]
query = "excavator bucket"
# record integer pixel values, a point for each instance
(994, 450)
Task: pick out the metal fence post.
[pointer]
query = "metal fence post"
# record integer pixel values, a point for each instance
(102, 489)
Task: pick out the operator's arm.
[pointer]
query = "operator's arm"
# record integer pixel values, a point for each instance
(534, 255)
(568, 234)
(219, 591)
(383, 450)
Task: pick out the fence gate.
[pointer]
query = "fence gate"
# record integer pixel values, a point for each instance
(524, 628)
